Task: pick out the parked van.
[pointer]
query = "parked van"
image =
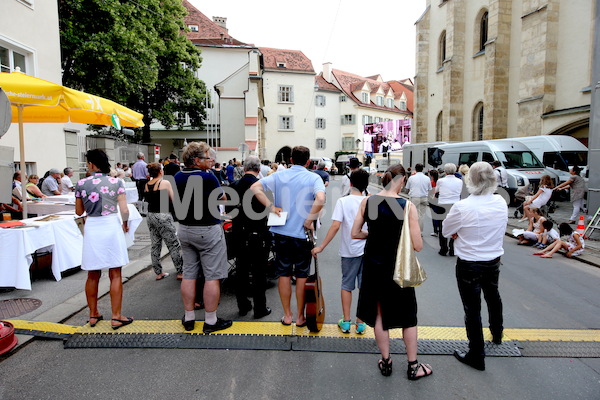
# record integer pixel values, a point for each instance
(522, 166)
(557, 152)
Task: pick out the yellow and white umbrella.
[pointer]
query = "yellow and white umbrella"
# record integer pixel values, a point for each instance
(37, 100)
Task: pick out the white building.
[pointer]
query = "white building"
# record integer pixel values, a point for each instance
(231, 71)
(289, 93)
(328, 139)
(29, 39)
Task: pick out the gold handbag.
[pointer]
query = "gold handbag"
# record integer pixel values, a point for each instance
(407, 271)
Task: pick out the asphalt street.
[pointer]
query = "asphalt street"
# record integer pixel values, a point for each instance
(556, 293)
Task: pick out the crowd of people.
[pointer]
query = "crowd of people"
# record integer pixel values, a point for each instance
(469, 220)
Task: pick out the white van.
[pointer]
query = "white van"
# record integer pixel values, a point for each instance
(522, 166)
(557, 152)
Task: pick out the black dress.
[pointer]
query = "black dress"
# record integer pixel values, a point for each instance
(398, 306)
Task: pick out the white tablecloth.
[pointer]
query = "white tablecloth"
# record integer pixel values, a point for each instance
(130, 193)
(18, 244)
(47, 207)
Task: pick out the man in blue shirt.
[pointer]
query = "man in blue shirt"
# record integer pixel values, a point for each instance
(230, 168)
(301, 194)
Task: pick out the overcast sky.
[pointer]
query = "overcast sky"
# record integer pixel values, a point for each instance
(363, 37)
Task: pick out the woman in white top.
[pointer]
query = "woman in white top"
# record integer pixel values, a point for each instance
(541, 197)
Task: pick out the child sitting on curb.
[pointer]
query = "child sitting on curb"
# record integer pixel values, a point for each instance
(548, 236)
(573, 244)
(351, 250)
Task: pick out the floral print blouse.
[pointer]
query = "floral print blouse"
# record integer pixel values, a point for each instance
(99, 193)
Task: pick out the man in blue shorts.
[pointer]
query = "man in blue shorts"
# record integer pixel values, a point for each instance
(351, 250)
(301, 194)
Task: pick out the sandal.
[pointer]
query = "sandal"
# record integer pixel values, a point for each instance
(98, 319)
(413, 370)
(123, 322)
(385, 366)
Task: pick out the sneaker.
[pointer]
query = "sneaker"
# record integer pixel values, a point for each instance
(220, 325)
(361, 328)
(344, 325)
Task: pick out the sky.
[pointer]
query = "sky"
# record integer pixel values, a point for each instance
(362, 37)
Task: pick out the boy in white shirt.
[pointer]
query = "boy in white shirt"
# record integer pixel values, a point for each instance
(548, 236)
(351, 250)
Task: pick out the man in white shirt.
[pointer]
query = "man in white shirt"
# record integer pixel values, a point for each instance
(351, 250)
(66, 185)
(449, 189)
(501, 174)
(418, 186)
(478, 224)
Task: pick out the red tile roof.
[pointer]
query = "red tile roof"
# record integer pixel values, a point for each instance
(324, 85)
(351, 82)
(404, 86)
(209, 33)
(294, 60)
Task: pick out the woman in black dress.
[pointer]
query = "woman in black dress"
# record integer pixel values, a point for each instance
(382, 304)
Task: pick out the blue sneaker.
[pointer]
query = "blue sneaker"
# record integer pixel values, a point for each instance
(361, 328)
(344, 325)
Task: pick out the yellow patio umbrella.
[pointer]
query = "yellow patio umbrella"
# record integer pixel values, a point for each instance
(37, 100)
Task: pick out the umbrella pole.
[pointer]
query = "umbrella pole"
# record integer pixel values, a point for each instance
(22, 156)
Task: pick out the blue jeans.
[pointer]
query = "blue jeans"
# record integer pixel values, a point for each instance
(473, 277)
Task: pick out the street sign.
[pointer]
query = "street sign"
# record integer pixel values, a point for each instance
(5, 113)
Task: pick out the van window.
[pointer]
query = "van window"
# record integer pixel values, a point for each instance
(554, 160)
(467, 158)
(487, 157)
(519, 159)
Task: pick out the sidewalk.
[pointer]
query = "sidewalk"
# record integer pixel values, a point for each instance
(591, 254)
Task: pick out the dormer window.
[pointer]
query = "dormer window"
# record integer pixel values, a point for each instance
(390, 103)
(403, 105)
(193, 28)
(365, 97)
(281, 65)
(379, 100)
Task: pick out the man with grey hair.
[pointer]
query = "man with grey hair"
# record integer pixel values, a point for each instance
(66, 185)
(478, 224)
(202, 240)
(250, 239)
(322, 173)
(50, 185)
(449, 189)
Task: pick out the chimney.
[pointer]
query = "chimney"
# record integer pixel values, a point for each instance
(221, 21)
(327, 75)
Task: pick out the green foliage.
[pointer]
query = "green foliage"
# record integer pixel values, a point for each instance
(133, 52)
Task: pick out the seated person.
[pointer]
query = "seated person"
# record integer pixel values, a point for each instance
(14, 208)
(50, 186)
(541, 197)
(573, 243)
(535, 228)
(32, 189)
(548, 236)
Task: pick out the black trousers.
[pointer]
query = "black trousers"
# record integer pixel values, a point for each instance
(251, 267)
(141, 185)
(444, 247)
(473, 277)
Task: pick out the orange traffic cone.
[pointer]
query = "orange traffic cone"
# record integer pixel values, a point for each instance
(581, 226)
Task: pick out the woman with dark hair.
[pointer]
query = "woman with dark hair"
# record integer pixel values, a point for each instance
(382, 304)
(577, 185)
(573, 244)
(160, 221)
(101, 197)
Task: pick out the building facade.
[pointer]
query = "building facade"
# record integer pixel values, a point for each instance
(489, 69)
(35, 51)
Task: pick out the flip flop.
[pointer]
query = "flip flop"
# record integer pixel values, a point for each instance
(123, 322)
(539, 253)
(164, 275)
(98, 319)
(301, 325)
(285, 323)
(546, 256)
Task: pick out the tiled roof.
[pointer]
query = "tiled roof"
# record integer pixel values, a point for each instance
(324, 85)
(209, 33)
(404, 86)
(294, 60)
(350, 82)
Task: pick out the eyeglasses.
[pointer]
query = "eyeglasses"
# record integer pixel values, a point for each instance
(205, 158)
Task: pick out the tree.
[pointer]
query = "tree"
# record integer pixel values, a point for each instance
(133, 52)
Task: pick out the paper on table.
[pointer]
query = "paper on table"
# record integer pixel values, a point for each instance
(275, 220)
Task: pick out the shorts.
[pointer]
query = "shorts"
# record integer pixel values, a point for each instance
(203, 247)
(351, 272)
(292, 256)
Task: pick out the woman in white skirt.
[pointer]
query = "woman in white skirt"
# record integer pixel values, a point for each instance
(101, 197)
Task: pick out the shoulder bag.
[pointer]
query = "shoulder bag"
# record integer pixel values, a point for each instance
(407, 271)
